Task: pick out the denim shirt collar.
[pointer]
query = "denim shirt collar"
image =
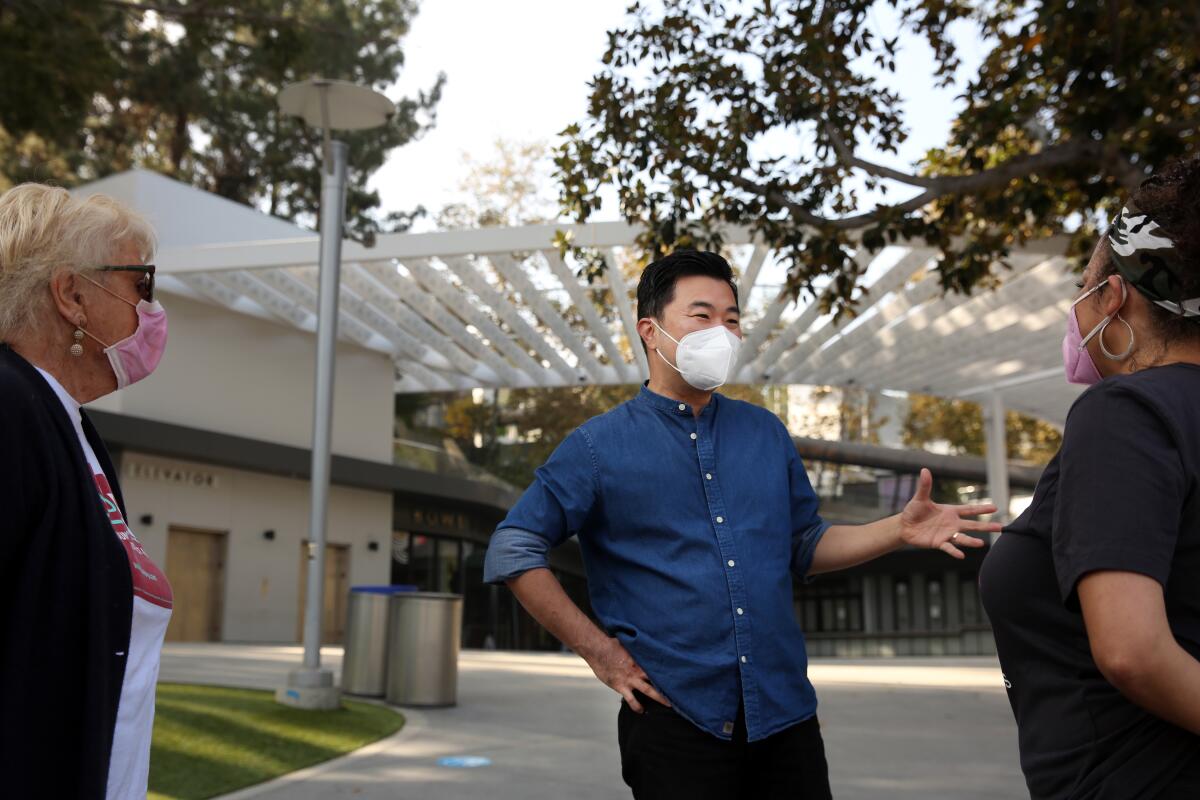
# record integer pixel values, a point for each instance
(669, 406)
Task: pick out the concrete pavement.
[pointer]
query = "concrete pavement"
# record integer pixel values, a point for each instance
(900, 729)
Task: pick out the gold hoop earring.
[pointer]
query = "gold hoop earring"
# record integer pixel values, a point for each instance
(1128, 350)
(77, 348)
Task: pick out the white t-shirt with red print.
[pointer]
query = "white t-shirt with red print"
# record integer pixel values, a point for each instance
(129, 766)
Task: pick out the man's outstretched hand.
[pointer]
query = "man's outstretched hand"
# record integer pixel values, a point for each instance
(925, 523)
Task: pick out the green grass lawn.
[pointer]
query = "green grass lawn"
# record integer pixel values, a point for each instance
(210, 740)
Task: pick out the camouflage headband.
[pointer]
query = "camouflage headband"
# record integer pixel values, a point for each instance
(1146, 257)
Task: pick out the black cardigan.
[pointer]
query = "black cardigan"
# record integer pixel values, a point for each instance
(66, 598)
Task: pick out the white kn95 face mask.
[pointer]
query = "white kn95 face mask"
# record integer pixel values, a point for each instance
(704, 358)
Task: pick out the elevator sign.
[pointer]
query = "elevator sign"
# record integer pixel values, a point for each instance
(180, 476)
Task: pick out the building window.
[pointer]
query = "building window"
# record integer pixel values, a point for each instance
(833, 606)
(903, 607)
(972, 612)
(937, 619)
(449, 572)
(401, 540)
(413, 560)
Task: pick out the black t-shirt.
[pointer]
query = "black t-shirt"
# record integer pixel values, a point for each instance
(1121, 494)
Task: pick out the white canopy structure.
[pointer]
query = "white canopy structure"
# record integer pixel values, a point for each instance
(500, 307)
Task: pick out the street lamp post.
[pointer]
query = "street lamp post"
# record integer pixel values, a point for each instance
(329, 105)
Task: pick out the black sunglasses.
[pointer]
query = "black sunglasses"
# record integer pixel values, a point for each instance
(145, 284)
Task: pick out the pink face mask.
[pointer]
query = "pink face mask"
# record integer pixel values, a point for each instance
(136, 356)
(1077, 360)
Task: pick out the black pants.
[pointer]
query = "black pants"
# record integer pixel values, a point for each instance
(663, 756)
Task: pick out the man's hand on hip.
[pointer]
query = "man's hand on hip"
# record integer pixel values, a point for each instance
(616, 669)
(542, 596)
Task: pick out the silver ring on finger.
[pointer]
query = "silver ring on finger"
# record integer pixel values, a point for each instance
(956, 535)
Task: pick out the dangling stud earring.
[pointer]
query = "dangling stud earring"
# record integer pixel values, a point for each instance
(77, 348)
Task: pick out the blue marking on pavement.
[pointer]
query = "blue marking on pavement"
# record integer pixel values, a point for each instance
(464, 762)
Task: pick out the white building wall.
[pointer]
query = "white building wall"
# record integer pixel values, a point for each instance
(235, 374)
(262, 577)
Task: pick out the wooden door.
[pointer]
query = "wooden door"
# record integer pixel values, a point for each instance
(196, 571)
(337, 587)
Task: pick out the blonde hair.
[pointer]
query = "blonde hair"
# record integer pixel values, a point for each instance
(45, 230)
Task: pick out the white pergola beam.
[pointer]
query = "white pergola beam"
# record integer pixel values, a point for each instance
(515, 274)
(304, 296)
(762, 331)
(996, 450)
(483, 241)
(256, 289)
(426, 305)
(471, 277)
(417, 374)
(471, 356)
(378, 308)
(223, 295)
(891, 346)
(943, 328)
(774, 357)
(750, 275)
(827, 366)
(587, 309)
(1041, 376)
(374, 282)
(616, 285)
(454, 299)
(1023, 352)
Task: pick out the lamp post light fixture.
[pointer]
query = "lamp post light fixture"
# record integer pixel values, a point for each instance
(331, 106)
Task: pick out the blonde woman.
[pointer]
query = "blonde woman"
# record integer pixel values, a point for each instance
(83, 609)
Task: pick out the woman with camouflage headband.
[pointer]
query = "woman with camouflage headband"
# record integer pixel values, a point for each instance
(1094, 592)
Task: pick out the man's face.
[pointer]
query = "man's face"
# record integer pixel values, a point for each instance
(700, 302)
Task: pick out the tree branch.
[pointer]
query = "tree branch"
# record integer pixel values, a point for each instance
(847, 157)
(1020, 167)
(1128, 174)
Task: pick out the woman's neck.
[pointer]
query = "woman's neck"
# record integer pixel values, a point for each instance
(66, 369)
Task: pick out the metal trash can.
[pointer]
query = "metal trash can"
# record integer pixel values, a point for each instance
(424, 629)
(364, 665)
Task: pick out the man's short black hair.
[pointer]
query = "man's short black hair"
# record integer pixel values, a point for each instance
(656, 289)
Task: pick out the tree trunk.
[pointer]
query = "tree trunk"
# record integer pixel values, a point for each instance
(181, 142)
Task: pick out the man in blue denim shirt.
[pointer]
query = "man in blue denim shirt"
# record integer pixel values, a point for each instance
(693, 513)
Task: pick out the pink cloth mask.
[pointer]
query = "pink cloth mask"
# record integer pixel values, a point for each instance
(135, 357)
(1077, 359)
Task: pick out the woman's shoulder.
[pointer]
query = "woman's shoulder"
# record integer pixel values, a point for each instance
(21, 399)
(1162, 398)
(1170, 391)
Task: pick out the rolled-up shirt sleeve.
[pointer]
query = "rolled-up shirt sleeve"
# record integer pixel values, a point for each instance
(807, 525)
(554, 508)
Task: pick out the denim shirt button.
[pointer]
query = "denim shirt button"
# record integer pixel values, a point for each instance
(693, 436)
